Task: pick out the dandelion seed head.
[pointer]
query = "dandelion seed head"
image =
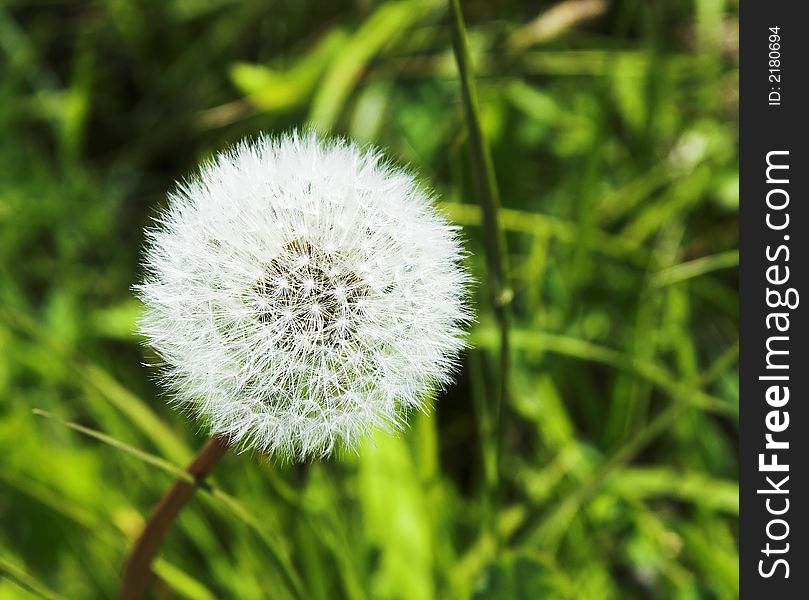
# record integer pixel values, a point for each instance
(302, 292)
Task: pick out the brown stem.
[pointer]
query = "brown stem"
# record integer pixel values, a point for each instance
(138, 567)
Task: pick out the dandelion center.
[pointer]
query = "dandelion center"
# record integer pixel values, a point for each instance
(308, 296)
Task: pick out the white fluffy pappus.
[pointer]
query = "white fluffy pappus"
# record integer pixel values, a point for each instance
(301, 292)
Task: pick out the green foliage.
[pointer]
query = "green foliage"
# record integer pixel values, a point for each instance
(615, 150)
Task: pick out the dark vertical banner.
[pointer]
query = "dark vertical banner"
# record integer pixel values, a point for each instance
(774, 370)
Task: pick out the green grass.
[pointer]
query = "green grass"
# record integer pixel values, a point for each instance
(614, 146)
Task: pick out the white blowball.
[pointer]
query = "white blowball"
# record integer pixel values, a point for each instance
(301, 292)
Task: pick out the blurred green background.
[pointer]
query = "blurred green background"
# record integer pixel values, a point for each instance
(613, 126)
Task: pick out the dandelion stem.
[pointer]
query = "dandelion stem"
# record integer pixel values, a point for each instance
(138, 566)
(496, 259)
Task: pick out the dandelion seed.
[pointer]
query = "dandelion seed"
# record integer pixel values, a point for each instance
(301, 292)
